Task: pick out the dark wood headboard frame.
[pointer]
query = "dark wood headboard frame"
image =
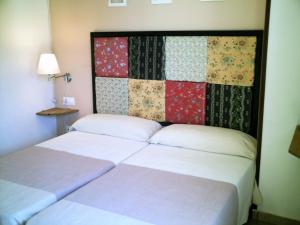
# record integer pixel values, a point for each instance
(256, 87)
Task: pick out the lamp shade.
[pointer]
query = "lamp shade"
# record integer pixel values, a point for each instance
(295, 145)
(48, 64)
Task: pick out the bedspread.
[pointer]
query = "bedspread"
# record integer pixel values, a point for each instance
(34, 178)
(136, 195)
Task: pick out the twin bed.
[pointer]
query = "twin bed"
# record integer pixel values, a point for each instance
(34, 178)
(115, 169)
(106, 172)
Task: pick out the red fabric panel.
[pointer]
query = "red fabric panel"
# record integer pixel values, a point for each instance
(185, 102)
(111, 57)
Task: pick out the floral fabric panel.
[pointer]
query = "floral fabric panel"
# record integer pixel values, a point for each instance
(111, 57)
(186, 58)
(147, 99)
(185, 102)
(229, 106)
(147, 58)
(112, 95)
(231, 60)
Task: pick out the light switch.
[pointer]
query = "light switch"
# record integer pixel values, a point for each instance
(68, 101)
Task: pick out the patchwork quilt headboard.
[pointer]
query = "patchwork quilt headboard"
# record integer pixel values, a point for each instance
(193, 77)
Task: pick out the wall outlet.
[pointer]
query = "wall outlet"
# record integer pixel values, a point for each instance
(68, 128)
(68, 101)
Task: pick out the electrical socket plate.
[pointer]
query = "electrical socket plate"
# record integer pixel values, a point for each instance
(68, 101)
(117, 3)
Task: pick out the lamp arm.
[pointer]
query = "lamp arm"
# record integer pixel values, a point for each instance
(67, 77)
(51, 76)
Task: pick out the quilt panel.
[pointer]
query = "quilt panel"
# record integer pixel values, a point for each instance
(147, 58)
(185, 102)
(111, 57)
(147, 99)
(204, 80)
(229, 106)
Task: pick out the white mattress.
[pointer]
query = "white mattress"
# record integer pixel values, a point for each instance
(94, 145)
(236, 170)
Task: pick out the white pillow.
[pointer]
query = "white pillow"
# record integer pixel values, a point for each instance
(123, 126)
(206, 138)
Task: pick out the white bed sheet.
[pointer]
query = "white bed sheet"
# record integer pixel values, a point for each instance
(96, 146)
(236, 170)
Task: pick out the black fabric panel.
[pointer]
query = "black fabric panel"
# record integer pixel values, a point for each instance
(228, 106)
(146, 57)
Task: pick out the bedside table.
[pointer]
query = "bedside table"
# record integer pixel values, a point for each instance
(56, 112)
(61, 114)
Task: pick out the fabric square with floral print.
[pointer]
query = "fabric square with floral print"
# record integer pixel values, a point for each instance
(229, 106)
(147, 58)
(147, 99)
(112, 95)
(231, 60)
(186, 58)
(111, 57)
(185, 102)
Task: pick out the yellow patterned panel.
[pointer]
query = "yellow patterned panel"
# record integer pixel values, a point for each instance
(231, 60)
(147, 99)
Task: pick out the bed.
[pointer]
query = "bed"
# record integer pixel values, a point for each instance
(36, 177)
(198, 174)
(171, 181)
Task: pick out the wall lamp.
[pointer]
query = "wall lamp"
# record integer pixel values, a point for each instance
(48, 65)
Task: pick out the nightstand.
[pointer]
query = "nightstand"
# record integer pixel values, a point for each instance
(56, 112)
(62, 115)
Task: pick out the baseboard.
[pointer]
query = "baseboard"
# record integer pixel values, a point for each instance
(273, 219)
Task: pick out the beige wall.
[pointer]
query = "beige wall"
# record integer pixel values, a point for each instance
(279, 171)
(24, 35)
(73, 20)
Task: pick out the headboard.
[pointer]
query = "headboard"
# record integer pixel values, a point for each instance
(194, 77)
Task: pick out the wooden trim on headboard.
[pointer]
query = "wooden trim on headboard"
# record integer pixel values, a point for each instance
(178, 33)
(92, 35)
(256, 86)
(262, 87)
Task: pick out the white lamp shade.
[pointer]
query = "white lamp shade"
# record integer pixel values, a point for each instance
(48, 64)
